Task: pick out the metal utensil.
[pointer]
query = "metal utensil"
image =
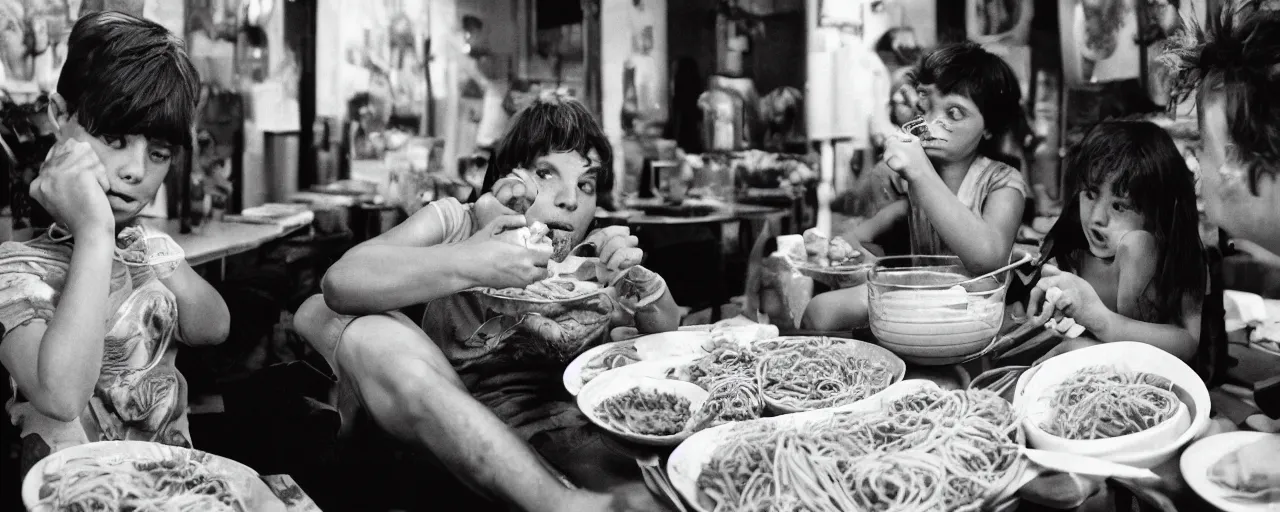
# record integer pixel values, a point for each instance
(917, 127)
(585, 249)
(1026, 258)
(651, 470)
(1084, 465)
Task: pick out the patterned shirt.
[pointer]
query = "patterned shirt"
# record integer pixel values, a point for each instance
(139, 395)
(518, 377)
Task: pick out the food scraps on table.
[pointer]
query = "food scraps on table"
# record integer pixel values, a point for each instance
(824, 252)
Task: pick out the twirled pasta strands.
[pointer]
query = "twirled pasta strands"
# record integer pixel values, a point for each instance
(936, 450)
(1102, 402)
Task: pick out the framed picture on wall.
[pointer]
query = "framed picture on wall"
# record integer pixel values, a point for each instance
(1099, 41)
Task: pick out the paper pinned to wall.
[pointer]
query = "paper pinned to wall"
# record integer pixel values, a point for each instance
(273, 110)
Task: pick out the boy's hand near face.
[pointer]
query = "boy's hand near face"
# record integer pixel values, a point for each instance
(512, 195)
(905, 156)
(500, 264)
(73, 186)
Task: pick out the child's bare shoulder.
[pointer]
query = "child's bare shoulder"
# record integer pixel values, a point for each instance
(1138, 247)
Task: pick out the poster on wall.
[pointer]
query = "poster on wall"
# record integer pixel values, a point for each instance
(385, 57)
(1099, 41)
(33, 48)
(1007, 22)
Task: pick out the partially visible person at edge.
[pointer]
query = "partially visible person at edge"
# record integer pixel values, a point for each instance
(493, 411)
(93, 309)
(1231, 67)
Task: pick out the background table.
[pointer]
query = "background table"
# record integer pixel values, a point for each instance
(700, 280)
(216, 240)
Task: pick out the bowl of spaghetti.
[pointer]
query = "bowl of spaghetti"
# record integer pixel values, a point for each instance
(929, 311)
(1126, 402)
(139, 475)
(804, 373)
(650, 411)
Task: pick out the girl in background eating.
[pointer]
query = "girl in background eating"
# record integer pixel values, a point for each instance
(964, 199)
(1128, 263)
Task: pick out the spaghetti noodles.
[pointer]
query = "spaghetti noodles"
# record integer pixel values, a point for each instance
(183, 483)
(645, 412)
(808, 377)
(730, 399)
(936, 450)
(1102, 402)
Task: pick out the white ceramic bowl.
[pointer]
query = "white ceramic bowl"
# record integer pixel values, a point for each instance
(1145, 449)
(917, 311)
(615, 383)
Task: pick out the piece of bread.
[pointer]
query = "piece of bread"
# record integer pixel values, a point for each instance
(1251, 470)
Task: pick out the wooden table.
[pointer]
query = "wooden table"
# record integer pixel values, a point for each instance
(217, 240)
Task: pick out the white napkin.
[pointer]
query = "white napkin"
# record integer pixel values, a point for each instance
(1243, 309)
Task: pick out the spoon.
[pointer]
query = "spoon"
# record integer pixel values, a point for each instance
(1026, 258)
(1084, 465)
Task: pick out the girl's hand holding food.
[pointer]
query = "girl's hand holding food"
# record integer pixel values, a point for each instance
(500, 264)
(72, 186)
(905, 156)
(1074, 297)
(511, 195)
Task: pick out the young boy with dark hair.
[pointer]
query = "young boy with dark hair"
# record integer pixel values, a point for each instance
(482, 391)
(93, 308)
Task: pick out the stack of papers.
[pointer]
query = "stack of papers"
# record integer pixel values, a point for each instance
(275, 213)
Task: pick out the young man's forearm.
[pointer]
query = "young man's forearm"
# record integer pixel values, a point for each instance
(378, 278)
(70, 359)
(203, 318)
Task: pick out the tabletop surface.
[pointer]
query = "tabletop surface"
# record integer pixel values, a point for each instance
(219, 239)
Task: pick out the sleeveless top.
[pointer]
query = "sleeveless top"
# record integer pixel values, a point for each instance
(984, 178)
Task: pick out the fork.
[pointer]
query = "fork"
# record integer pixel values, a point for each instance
(917, 127)
(651, 470)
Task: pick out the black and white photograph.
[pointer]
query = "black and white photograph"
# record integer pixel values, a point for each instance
(640, 255)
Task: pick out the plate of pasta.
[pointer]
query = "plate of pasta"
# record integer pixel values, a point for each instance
(913, 447)
(651, 411)
(696, 341)
(139, 475)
